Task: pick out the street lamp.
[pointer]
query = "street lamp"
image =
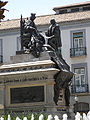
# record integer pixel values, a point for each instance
(76, 99)
(76, 104)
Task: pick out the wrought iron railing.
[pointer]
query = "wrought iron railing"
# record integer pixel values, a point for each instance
(80, 51)
(79, 88)
(1, 59)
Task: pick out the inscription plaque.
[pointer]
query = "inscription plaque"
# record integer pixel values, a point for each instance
(27, 94)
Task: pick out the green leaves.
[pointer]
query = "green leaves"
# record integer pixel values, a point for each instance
(36, 116)
(2, 4)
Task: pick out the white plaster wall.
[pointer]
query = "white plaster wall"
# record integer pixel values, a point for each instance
(65, 36)
(9, 46)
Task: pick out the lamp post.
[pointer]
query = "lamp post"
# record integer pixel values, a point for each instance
(76, 104)
(76, 98)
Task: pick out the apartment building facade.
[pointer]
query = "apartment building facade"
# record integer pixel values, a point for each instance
(74, 22)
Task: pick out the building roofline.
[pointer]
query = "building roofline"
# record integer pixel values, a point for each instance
(72, 5)
(45, 20)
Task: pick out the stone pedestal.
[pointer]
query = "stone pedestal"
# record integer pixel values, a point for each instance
(20, 58)
(24, 74)
(2, 98)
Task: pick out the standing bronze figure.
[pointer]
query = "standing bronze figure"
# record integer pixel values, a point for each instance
(54, 32)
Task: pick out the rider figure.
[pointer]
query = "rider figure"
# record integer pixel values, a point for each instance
(30, 25)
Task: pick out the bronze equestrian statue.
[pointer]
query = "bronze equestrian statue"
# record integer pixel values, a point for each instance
(32, 41)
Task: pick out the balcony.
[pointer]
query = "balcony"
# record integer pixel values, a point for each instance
(80, 51)
(79, 88)
(1, 59)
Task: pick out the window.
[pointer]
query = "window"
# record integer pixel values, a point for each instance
(80, 9)
(78, 39)
(75, 10)
(78, 43)
(1, 51)
(80, 83)
(79, 79)
(63, 11)
(68, 10)
(86, 8)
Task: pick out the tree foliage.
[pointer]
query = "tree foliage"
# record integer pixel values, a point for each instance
(2, 9)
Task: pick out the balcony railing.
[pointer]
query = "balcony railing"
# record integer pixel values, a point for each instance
(1, 59)
(80, 51)
(79, 88)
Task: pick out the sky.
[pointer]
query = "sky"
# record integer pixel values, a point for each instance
(40, 7)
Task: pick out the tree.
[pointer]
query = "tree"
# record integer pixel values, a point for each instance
(2, 4)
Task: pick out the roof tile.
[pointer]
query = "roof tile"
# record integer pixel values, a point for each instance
(43, 20)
